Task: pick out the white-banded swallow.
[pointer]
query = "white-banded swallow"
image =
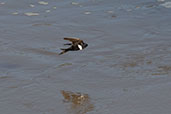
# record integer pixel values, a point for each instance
(76, 45)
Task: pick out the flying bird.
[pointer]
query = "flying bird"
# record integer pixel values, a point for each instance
(76, 45)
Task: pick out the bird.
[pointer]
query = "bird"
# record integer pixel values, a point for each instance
(77, 44)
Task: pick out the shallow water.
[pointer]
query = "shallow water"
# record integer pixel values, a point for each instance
(125, 69)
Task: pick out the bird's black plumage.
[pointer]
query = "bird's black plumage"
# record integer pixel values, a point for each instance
(76, 45)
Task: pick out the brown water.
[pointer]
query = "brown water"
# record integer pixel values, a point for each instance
(125, 69)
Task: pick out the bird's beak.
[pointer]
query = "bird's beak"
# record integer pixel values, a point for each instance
(85, 45)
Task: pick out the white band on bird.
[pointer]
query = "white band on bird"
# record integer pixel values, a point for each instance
(80, 47)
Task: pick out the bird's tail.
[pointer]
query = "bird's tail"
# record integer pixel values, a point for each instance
(63, 51)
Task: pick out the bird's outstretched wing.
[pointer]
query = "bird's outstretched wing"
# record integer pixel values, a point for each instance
(73, 40)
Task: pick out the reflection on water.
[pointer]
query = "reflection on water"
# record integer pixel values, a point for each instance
(162, 70)
(79, 103)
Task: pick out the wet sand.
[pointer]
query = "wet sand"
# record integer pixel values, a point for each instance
(125, 69)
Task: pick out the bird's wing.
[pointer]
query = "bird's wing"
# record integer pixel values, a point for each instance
(73, 40)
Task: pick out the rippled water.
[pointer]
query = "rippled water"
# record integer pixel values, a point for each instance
(125, 69)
